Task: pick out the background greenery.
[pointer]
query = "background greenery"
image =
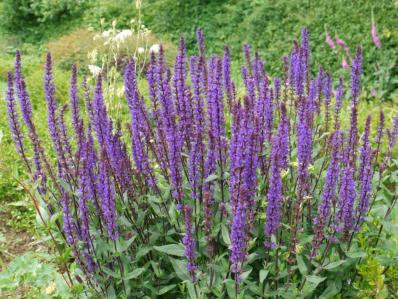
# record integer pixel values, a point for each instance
(66, 27)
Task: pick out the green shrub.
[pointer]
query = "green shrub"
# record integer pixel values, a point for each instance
(33, 275)
(270, 27)
(32, 19)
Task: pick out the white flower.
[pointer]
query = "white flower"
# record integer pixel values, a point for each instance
(92, 56)
(106, 34)
(141, 50)
(123, 35)
(120, 92)
(96, 37)
(95, 70)
(155, 48)
(51, 288)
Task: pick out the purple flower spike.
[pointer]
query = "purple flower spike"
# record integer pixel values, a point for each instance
(380, 130)
(304, 144)
(246, 54)
(74, 103)
(392, 137)
(67, 219)
(181, 97)
(201, 41)
(306, 48)
(356, 76)
(108, 205)
(283, 133)
(277, 90)
(174, 140)
(138, 124)
(327, 90)
(100, 121)
(328, 194)
(274, 196)
(269, 115)
(215, 107)
(238, 239)
(339, 103)
(355, 91)
(196, 154)
(23, 96)
(365, 174)
(345, 213)
(13, 121)
(49, 90)
(228, 84)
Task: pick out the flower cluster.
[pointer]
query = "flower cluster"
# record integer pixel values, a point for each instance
(203, 158)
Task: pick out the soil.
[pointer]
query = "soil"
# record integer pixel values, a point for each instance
(16, 242)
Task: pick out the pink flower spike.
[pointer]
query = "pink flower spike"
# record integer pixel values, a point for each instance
(342, 44)
(344, 63)
(329, 41)
(375, 37)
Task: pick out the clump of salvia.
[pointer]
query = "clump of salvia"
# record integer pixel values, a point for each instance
(232, 174)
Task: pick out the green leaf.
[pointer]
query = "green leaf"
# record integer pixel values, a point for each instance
(263, 275)
(225, 234)
(171, 249)
(173, 213)
(111, 273)
(315, 279)
(306, 239)
(355, 255)
(211, 177)
(137, 272)
(390, 228)
(245, 275)
(231, 290)
(123, 220)
(334, 265)
(332, 290)
(301, 265)
(311, 284)
(180, 269)
(191, 290)
(156, 269)
(166, 289)
(111, 293)
(142, 252)
(20, 203)
(123, 245)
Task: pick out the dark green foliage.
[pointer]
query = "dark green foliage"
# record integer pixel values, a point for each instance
(270, 27)
(38, 19)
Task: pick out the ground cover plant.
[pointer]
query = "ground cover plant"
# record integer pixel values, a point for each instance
(210, 191)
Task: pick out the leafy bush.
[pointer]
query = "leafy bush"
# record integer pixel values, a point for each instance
(270, 27)
(33, 17)
(33, 275)
(239, 193)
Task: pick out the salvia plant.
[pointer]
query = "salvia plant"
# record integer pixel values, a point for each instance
(210, 190)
